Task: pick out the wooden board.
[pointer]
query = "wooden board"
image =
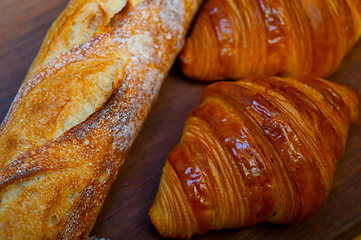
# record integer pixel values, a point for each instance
(23, 24)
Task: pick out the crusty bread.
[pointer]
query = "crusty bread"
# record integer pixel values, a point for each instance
(80, 108)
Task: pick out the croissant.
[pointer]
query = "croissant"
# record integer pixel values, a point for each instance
(260, 149)
(233, 39)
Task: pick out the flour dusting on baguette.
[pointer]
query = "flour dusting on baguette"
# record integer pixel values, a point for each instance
(55, 174)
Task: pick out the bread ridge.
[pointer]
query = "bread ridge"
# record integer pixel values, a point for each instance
(79, 22)
(56, 189)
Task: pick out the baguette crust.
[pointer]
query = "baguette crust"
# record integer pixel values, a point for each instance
(81, 21)
(77, 115)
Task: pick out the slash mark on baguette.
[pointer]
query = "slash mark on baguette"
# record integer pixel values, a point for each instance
(77, 94)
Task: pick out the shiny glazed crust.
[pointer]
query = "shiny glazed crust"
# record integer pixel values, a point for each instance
(79, 109)
(259, 149)
(233, 39)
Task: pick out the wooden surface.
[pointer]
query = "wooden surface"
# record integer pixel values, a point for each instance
(23, 24)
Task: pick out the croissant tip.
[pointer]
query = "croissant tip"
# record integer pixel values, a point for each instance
(185, 59)
(169, 215)
(155, 218)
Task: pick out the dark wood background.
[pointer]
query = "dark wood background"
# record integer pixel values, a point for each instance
(23, 24)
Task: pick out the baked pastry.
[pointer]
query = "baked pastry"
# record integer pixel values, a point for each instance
(233, 39)
(79, 109)
(259, 149)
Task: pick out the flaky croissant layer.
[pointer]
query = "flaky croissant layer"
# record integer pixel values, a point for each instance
(233, 39)
(260, 149)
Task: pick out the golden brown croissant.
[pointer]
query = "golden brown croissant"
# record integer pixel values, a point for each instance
(232, 39)
(260, 149)
(79, 110)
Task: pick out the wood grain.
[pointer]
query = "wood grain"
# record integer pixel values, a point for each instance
(23, 24)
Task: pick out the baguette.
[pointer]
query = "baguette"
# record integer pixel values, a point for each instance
(79, 110)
